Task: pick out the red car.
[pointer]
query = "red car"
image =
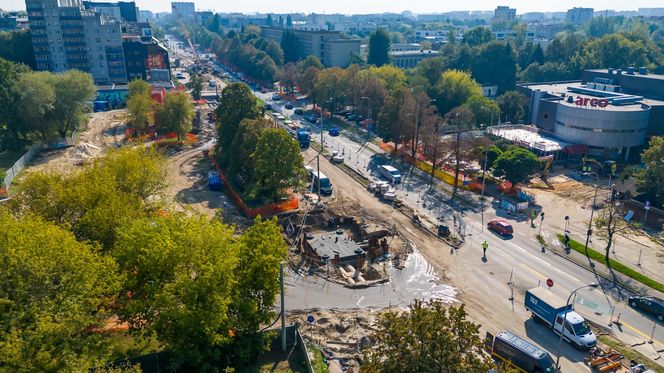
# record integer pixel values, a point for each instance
(500, 226)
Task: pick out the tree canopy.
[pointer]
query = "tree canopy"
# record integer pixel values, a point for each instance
(176, 113)
(651, 178)
(516, 165)
(379, 47)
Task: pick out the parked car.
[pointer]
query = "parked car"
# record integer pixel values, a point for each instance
(267, 107)
(311, 118)
(276, 98)
(651, 305)
(501, 226)
(288, 106)
(334, 131)
(352, 117)
(299, 111)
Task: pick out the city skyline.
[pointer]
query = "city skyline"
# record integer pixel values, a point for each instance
(354, 7)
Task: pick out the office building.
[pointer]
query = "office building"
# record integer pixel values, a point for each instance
(610, 112)
(184, 10)
(407, 59)
(504, 15)
(332, 48)
(145, 58)
(67, 36)
(579, 16)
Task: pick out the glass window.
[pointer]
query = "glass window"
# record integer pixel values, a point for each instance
(581, 329)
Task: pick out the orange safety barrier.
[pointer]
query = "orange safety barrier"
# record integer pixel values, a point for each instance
(267, 210)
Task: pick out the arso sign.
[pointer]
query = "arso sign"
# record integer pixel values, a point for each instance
(593, 102)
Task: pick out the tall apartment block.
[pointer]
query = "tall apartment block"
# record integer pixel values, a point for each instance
(67, 36)
(579, 16)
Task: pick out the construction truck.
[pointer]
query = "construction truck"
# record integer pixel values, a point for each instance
(605, 168)
(383, 190)
(303, 138)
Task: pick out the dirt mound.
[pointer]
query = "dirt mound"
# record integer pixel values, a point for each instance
(86, 150)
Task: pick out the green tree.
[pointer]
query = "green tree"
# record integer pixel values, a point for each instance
(379, 47)
(236, 104)
(516, 165)
(485, 110)
(240, 167)
(614, 50)
(35, 101)
(289, 21)
(290, 46)
(492, 153)
(277, 164)
(496, 64)
(651, 178)
(431, 69)
(12, 131)
(138, 86)
(53, 291)
(269, 21)
(16, 46)
(310, 61)
(477, 36)
(73, 92)
(513, 105)
(139, 106)
(393, 122)
(196, 86)
(176, 114)
(429, 338)
(453, 89)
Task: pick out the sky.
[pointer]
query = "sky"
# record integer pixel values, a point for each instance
(374, 6)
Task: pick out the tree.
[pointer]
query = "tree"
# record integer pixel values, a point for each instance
(290, 46)
(477, 36)
(460, 118)
(277, 164)
(431, 69)
(13, 134)
(138, 86)
(393, 77)
(16, 46)
(196, 86)
(53, 291)
(214, 24)
(310, 61)
(288, 77)
(35, 101)
(651, 178)
(496, 64)
(236, 104)
(240, 166)
(609, 224)
(516, 165)
(269, 21)
(379, 47)
(453, 89)
(485, 110)
(614, 50)
(273, 49)
(139, 106)
(513, 105)
(289, 21)
(176, 114)
(429, 338)
(392, 124)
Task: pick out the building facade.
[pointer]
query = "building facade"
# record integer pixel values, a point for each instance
(579, 16)
(145, 57)
(332, 48)
(504, 15)
(410, 58)
(184, 10)
(610, 113)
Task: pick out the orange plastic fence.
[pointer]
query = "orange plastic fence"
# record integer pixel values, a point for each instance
(267, 210)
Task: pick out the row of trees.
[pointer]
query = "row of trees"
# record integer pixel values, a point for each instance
(261, 160)
(79, 250)
(41, 105)
(174, 114)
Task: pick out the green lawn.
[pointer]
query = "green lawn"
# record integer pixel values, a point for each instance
(615, 265)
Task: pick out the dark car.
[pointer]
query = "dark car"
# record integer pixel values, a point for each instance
(334, 131)
(311, 118)
(352, 117)
(276, 97)
(650, 305)
(288, 106)
(267, 107)
(500, 226)
(299, 111)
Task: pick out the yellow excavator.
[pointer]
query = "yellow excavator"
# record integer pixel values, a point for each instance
(600, 168)
(547, 161)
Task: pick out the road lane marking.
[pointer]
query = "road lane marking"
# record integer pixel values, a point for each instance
(641, 333)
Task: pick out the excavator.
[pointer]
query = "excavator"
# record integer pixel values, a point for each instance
(605, 168)
(547, 161)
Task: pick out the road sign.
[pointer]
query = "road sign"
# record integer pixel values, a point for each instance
(310, 319)
(549, 282)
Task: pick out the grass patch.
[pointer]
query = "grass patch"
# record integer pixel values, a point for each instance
(317, 360)
(615, 265)
(292, 361)
(630, 354)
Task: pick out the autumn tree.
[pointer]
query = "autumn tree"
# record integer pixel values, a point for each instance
(176, 114)
(53, 291)
(393, 124)
(610, 223)
(288, 77)
(430, 337)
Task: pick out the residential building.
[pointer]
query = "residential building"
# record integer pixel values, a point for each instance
(401, 47)
(511, 34)
(611, 113)
(145, 16)
(144, 55)
(202, 17)
(504, 15)
(125, 11)
(410, 58)
(332, 48)
(184, 10)
(579, 16)
(67, 36)
(8, 22)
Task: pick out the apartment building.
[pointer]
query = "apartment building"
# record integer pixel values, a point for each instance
(332, 48)
(184, 10)
(579, 16)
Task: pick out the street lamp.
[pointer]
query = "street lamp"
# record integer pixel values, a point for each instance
(368, 115)
(562, 325)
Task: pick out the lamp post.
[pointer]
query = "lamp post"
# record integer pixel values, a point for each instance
(368, 116)
(566, 223)
(562, 325)
(592, 212)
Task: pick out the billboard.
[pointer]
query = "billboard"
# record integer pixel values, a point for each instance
(155, 61)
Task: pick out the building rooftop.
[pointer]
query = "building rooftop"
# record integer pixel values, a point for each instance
(415, 53)
(527, 136)
(331, 243)
(636, 75)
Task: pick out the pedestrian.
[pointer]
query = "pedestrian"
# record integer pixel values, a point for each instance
(485, 245)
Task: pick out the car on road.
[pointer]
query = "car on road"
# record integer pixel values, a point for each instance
(276, 98)
(299, 111)
(288, 106)
(334, 131)
(267, 107)
(311, 118)
(501, 226)
(651, 305)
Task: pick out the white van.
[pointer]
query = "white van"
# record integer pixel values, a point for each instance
(391, 174)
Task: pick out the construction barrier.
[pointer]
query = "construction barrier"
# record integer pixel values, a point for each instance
(267, 210)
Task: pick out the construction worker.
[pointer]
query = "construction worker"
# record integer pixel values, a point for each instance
(485, 245)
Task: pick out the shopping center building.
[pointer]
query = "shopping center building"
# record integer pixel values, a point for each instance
(610, 113)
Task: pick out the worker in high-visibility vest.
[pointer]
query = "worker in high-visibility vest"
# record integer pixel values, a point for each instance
(485, 245)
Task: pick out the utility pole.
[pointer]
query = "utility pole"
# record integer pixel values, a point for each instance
(457, 164)
(283, 308)
(486, 156)
(319, 153)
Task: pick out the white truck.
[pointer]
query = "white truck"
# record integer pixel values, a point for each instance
(391, 174)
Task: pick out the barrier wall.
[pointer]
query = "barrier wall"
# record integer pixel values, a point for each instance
(267, 210)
